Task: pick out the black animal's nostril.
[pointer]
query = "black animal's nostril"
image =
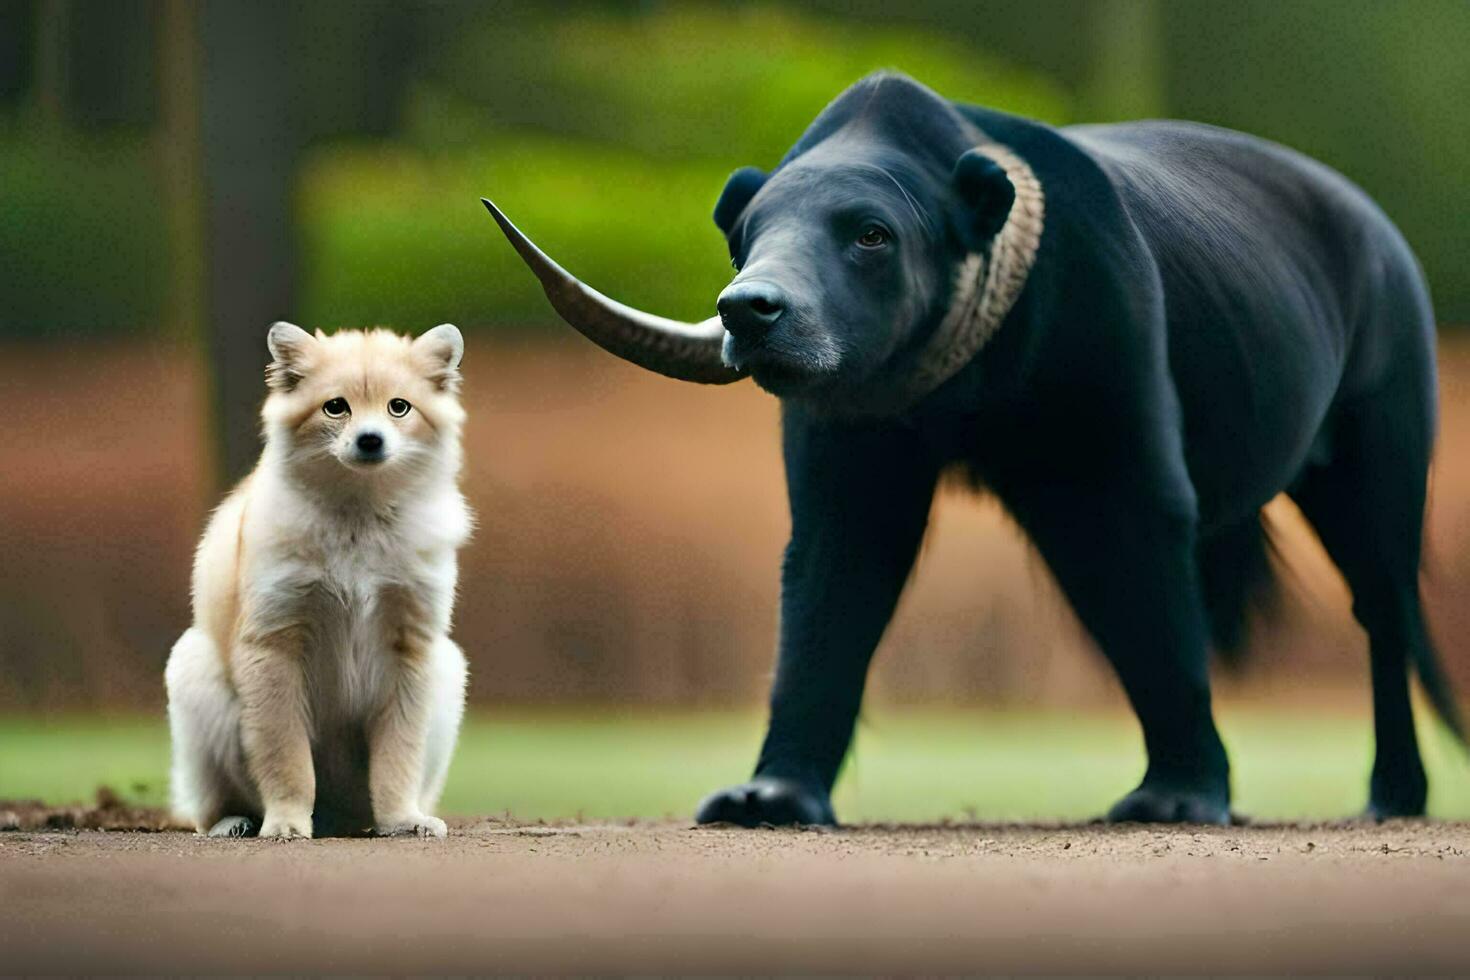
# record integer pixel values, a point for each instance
(370, 442)
(750, 309)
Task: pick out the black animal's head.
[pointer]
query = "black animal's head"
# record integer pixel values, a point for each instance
(846, 252)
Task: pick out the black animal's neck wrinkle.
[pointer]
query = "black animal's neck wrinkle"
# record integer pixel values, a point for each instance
(983, 291)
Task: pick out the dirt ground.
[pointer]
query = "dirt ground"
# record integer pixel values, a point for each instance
(498, 896)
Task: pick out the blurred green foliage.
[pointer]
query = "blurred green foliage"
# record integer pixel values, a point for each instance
(606, 136)
(605, 129)
(398, 236)
(731, 85)
(651, 114)
(1376, 90)
(82, 235)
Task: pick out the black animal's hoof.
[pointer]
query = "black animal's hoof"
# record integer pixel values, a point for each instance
(1162, 804)
(766, 801)
(1377, 814)
(1398, 794)
(1389, 809)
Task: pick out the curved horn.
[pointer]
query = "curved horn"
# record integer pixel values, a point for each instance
(687, 351)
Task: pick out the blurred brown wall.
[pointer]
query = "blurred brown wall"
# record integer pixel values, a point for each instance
(628, 547)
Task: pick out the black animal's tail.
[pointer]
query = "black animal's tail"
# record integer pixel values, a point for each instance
(1427, 665)
(1238, 581)
(1438, 689)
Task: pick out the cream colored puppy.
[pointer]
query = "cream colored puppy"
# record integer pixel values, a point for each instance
(318, 689)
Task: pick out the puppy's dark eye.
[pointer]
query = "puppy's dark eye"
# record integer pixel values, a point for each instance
(336, 408)
(398, 408)
(873, 237)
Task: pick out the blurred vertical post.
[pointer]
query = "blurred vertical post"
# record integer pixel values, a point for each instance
(180, 160)
(249, 151)
(1126, 80)
(53, 70)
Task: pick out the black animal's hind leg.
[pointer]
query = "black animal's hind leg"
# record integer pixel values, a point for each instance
(1129, 570)
(1367, 506)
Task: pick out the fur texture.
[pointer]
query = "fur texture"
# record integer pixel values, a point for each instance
(318, 691)
(1190, 322)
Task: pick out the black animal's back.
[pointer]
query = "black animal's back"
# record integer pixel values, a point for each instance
(1286, 289)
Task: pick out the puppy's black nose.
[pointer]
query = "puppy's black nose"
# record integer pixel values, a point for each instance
(370, 444)
(750, 309)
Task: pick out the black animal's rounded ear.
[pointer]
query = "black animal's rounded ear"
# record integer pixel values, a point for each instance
(739, 189)
(986, 194)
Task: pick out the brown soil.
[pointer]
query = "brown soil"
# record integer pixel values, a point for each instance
(109, 812)
(502, 897)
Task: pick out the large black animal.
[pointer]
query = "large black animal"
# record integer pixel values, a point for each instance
(1134, 335)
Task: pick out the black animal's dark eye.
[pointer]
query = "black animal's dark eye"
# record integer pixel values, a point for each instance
(398, 408)
(873, 237)
(336, 408)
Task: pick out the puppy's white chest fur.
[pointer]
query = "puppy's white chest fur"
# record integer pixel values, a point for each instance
(361, 582)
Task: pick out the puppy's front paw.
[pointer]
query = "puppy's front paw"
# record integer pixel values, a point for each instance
(233, 827)
(285, 826)
(412, 825)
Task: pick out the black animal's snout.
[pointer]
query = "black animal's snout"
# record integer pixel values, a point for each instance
(370, 444)
(750, 309)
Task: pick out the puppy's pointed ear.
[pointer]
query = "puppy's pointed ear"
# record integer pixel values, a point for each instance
(290, 348)
(739, 189)
(986, 195)
(443, 348)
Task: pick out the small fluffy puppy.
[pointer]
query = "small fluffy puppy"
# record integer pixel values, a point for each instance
(318, 690)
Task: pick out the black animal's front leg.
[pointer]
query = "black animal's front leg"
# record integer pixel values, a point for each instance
(1127, 567)
(860, 500)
